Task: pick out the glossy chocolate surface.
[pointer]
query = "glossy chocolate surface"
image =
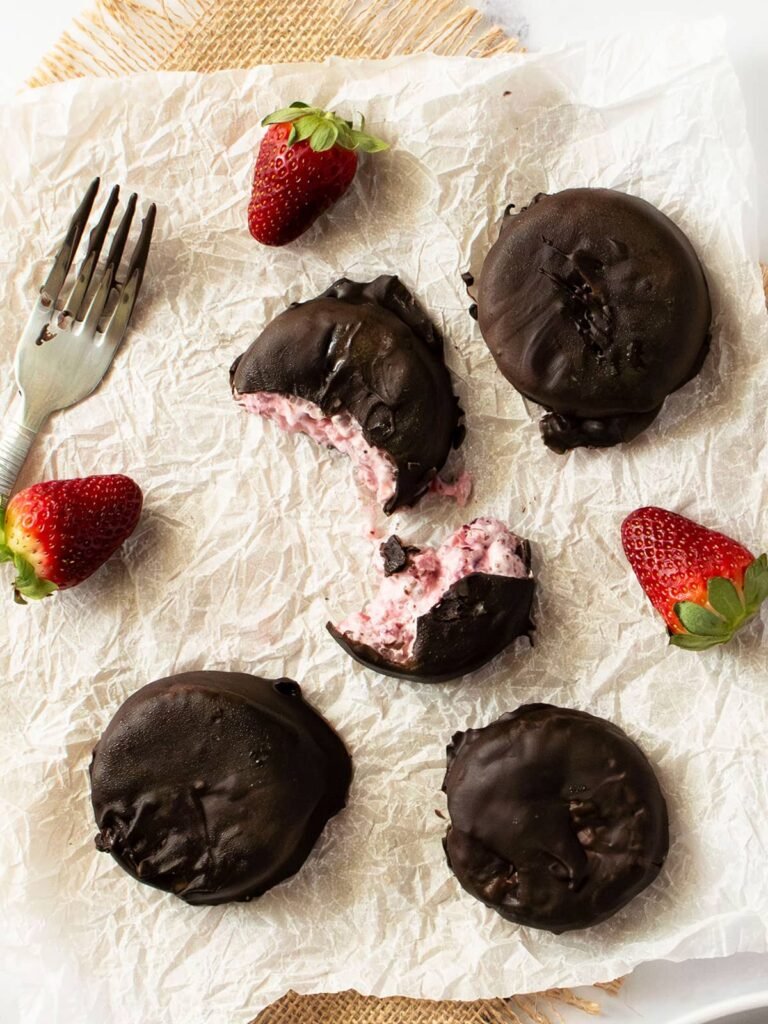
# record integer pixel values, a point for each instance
(595, 306)
(369, 349)
(215, 785)
(557, 819)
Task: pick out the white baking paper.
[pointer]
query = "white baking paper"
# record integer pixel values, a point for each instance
(251, 540)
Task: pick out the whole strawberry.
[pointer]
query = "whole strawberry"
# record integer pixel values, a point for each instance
(704, 584)
(306, 161)
(59, 532)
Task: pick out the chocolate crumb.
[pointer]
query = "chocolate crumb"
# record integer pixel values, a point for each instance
(395, 555)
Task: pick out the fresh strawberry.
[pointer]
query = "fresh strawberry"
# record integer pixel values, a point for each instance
(704, 584)
(306, 161)
(59, 532)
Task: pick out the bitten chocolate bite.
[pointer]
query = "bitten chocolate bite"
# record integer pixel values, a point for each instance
(557, 819)
(215, 786)
(595, 306)
(443, 612)
(360, 369)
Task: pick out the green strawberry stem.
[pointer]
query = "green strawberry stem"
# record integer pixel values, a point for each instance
(27, 583)
(323, 129)
(728, 608)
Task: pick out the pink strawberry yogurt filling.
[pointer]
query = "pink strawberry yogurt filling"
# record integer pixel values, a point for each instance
(387, 624)
(459, 489)
(375, 469)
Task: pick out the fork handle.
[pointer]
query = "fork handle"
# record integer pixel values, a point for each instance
(15, 443)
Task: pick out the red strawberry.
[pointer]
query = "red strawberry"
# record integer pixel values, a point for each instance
(705, 585)
(59, 532)
(306, 161)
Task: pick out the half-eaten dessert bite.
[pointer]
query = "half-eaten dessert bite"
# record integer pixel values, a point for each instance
(443, 612)
(360, 368)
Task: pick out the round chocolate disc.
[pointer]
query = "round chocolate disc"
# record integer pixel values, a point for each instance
(215, 785)
(595, 306)
(557, 819)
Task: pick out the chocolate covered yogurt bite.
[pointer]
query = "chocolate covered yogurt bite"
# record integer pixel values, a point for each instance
(443, 612)
(215, 786)
(360, 368)
(595, 306)
(556, 817)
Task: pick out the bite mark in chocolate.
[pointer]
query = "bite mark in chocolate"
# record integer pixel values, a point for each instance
(369, 351)
(446, 611)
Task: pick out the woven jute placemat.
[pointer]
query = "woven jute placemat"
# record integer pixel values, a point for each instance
(352, 1008)
(117, 37)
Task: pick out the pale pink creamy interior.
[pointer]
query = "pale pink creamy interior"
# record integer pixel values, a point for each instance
(374, 468)
(388, 622)
(458, 489)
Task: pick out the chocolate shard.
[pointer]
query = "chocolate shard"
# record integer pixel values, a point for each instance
(394, 555)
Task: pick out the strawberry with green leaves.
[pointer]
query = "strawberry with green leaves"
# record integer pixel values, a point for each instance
(59, 532)
(705, 585)
(306, 162)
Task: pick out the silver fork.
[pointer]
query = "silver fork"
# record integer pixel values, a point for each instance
(64, 353)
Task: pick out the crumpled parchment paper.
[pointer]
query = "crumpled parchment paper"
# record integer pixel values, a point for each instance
(251, 540)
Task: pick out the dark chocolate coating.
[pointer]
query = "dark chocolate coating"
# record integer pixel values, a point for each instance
(594, 305)
(395, 555)
(474, 620)
(557, 819)
(369, 349)
(216, 785)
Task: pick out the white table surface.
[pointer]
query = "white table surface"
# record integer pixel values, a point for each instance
(656, 993)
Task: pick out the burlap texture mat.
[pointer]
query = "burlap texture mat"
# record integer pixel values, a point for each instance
(352, 1008)
(117, 37)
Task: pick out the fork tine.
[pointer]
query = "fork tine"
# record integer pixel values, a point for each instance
(118, 322)
(98, 302)
(100, 299)
(49, 292)
(118, 242)
(75, 304)
(140, 253)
